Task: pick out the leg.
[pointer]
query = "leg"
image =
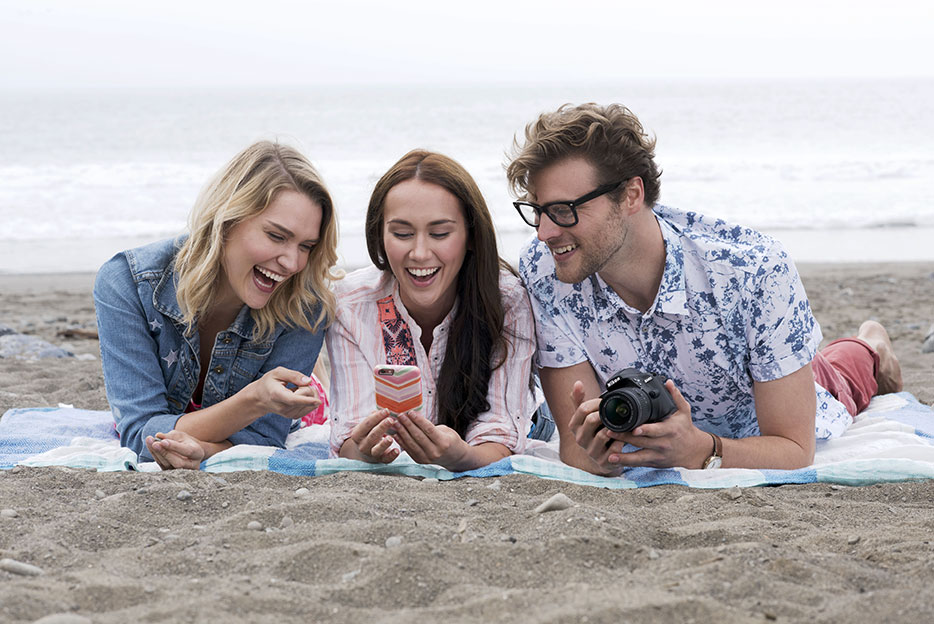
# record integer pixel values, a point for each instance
(889, 372)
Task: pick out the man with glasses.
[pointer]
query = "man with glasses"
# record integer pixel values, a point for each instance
(618, 281)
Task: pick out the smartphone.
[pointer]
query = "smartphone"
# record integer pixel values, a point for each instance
(398, 388)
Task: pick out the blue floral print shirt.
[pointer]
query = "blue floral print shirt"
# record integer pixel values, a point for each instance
(730, 309)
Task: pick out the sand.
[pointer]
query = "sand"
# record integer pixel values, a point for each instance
(263, 547)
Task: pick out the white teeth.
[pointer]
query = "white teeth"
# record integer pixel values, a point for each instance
(273, 276)
(422, 272)
(565, 249)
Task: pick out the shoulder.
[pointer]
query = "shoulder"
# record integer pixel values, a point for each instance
(132, 266)
(513, 290)
(357, 295)
(725, 248)
(363, 286)
(536, 266)
(151, 261)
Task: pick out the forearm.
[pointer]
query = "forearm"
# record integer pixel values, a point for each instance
(477, 456)
(221, 420)
(213, 448)
(765, 452)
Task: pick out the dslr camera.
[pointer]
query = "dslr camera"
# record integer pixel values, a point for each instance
(633, 398)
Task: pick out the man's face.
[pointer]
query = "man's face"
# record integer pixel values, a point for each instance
(598, 237)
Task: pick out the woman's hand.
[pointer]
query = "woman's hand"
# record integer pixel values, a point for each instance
(272, 394)
(427, 443)
(176, 449)
(370, 439)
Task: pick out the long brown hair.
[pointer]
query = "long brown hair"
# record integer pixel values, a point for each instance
(476, 344)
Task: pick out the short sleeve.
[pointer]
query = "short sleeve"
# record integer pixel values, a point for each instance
(782, 333)
(557, 347)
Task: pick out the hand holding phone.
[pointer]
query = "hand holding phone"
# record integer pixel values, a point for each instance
(398, 388)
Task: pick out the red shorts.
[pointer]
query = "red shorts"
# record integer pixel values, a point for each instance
(847, 369)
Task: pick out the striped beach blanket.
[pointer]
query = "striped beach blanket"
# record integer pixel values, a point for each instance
(891, 441)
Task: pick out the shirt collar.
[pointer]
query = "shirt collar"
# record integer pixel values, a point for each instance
(671, 297)
(165, 300)
(404, 313)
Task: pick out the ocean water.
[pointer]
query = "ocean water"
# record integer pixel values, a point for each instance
(839, 170)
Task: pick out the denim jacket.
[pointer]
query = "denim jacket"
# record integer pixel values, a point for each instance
(151, 367)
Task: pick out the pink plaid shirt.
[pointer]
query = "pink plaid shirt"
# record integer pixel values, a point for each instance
(355, 346)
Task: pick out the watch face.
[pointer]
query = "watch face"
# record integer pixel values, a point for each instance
(713, 462)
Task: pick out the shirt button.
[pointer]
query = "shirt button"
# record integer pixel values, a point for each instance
(645, 328)
(218, 369)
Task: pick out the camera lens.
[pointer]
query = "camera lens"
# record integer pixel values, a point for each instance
(622, 410)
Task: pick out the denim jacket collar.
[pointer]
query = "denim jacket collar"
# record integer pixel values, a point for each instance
(165, 300)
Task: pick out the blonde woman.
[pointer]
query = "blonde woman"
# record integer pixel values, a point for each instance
(209, 340)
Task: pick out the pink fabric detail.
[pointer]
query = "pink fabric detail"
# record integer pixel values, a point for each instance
(847, 369)
(397, 339)
(319, 416)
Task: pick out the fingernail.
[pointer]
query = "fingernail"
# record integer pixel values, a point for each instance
(306, 380)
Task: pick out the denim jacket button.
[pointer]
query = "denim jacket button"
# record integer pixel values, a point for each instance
(219, 369)
(226, 339)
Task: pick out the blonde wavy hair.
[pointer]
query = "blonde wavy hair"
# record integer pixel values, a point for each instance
(243, 189)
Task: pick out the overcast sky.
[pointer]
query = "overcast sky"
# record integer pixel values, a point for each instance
(91, 43)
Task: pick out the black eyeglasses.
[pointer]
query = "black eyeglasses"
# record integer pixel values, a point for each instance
(563, 213)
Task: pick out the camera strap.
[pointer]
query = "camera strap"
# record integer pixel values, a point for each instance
(397, 339)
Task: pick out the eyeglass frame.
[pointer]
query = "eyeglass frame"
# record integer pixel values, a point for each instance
(603, 189)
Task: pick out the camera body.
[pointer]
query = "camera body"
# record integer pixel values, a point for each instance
(633, 398)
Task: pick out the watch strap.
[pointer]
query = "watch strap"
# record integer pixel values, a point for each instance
(716, 456)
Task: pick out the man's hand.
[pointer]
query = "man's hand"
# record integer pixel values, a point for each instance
(673, 441)
(590, 435)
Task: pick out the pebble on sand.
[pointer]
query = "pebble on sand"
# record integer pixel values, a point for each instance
(556, 503)
(255, 525)
(18, 567)
(8, 514)
(393, 541)
(183, 495)
(63, 618)
(928, 345)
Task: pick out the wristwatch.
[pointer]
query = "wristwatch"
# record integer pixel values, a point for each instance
(716, 459)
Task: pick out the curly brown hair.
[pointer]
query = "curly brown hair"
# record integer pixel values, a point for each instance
(610, 137)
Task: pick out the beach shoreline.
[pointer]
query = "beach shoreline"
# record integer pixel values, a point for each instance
(116, 547)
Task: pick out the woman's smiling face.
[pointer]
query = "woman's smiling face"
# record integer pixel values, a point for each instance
(264, 251)
(425, 237)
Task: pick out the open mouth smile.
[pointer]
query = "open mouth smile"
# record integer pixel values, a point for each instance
(558, 251)
(265, 279)
(422, 275)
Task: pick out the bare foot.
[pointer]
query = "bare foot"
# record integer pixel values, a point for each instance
(889, 375)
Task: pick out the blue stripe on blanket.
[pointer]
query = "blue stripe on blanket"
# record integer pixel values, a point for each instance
(892, 441)
(28, 432)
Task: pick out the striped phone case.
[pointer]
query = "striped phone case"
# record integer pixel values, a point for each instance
(398, 387)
